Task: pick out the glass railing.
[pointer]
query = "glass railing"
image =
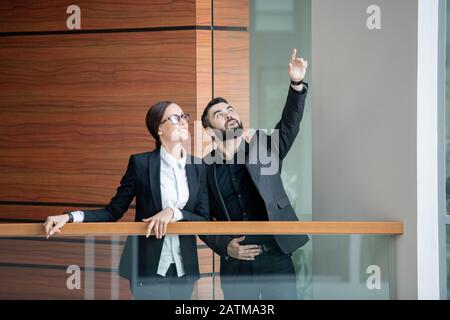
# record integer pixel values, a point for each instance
(356, 265)
(447, 258)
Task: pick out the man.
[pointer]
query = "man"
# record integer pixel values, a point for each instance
(242, 187)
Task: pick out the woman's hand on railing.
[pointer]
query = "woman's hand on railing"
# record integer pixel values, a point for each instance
(159, 223)
(55, 223)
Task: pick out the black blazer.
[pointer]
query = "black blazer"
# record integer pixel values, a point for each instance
(140, 257)
(270, 187)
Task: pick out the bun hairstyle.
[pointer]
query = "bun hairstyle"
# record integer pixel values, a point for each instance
(154, 118)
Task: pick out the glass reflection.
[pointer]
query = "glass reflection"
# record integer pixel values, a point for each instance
(355, 267)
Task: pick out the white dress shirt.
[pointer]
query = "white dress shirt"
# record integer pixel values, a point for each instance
(174, 194)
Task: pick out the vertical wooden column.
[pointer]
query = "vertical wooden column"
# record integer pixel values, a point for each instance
(223, 61)
(230, 80)
(231, 54)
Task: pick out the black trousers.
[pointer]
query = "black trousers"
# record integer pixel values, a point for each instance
(170, 287)
(270, 276)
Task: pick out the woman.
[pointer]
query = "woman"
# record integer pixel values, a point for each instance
(168, 187)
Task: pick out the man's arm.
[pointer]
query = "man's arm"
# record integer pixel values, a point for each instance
(289, 125)
(217, 243)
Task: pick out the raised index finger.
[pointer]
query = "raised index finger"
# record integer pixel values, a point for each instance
(293, 55)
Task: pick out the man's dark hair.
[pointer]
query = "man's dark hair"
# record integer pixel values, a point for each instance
(154, 118)
(205, 119)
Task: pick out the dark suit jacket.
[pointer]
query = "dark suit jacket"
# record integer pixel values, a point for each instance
(270, 186)
(140, 257)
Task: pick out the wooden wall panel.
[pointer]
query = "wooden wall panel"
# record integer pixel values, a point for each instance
(203, 289)
(203, 12)
(71, 251)
(42, 252)
(49, 284)
(204, 90)
(231, 70)
(31, 15)
(52, 257)
(73, 108)
(41, 212)
(231, 13)
(204, 70)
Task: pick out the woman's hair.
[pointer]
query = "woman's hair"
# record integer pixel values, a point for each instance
(154, 118)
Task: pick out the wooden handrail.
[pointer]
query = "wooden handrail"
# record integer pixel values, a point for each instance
(204, 228)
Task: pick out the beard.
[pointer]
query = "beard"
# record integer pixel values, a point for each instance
(230, 133)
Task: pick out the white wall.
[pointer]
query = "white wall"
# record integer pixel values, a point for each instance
(365, 122)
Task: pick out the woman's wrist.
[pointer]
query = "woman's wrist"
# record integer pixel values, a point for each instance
(173, 213)
(68, 216)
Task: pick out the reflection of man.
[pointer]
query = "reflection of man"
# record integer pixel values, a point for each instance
(254, 267)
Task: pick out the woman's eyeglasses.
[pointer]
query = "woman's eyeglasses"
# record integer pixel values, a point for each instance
(176, 118)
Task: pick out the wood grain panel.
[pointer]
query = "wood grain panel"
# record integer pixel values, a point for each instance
(231, 70)
(206, 290)
(42, 212)
(42, 252)
(203, 290)
(218, 293)
(205, 260)
(48, 284)
(30, 15)
(73, 108)
(58, 253)
(204, 70)
(232, 13)
(203, 12)
(204, 90)
(103, 286)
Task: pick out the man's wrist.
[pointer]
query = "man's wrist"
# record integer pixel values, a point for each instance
(227, 250)
(296, 83)
(301, 88)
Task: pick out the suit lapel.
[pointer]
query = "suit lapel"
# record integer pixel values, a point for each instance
(154, 174)
(212, 182)
(193, 182)
(251, 153)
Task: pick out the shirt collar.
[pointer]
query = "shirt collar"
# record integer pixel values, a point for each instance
(242, 150)
(171, 160)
